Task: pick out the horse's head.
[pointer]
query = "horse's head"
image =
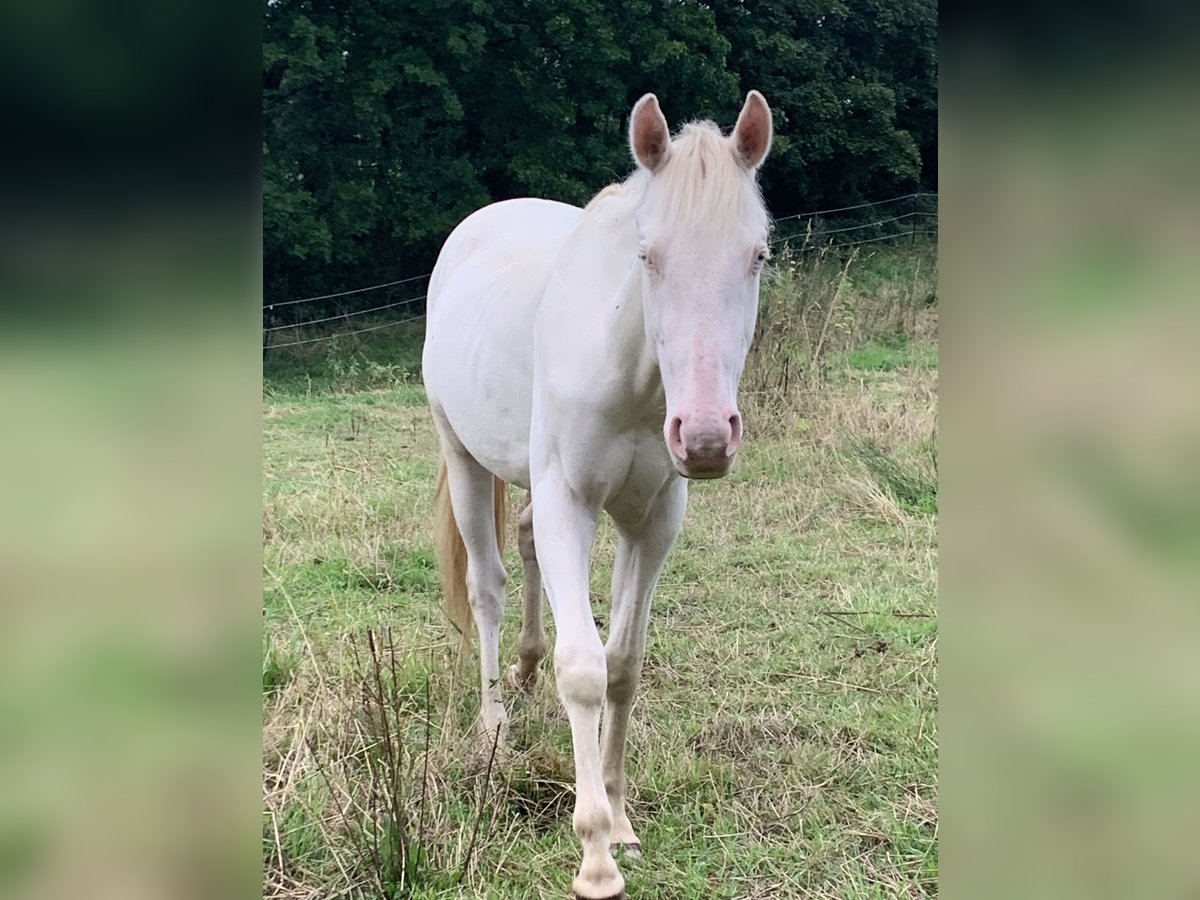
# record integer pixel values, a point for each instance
(702, 231)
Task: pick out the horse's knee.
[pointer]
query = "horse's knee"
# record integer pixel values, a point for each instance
(624, 671)
(581, 672)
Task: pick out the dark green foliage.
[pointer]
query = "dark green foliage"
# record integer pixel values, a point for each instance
(386, 122)
(853, 86)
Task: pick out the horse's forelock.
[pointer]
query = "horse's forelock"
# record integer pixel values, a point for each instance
(702, 184)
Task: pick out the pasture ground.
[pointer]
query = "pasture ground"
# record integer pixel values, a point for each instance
(784, 739)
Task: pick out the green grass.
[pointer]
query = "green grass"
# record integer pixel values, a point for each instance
(911, 484)
(382, 358)
(783, 743)
(891, 352)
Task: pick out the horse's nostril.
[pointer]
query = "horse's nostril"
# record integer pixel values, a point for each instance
(675, 437)
(735, 434)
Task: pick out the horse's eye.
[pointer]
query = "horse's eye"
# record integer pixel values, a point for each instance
(642, 256)
(762, 257)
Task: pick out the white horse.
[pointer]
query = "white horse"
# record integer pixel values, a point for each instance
(592, 356)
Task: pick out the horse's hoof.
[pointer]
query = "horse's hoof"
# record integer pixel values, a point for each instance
(515, 681)
(603, 889)
(486, 749)
(633, 849)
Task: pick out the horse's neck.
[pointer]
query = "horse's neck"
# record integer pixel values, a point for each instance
(608, 247)
(633, 355)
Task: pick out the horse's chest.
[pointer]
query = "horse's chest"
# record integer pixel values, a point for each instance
(649, 470)
(622, 473)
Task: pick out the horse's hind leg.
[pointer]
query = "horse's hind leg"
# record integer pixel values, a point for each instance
(472, 497)
(531, 644)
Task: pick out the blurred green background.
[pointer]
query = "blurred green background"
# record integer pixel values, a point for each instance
(1069, 494)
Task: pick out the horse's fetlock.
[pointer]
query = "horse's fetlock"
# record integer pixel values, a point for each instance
(595, 823)
(531, 645)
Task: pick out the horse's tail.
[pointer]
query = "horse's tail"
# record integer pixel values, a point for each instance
(451, 552)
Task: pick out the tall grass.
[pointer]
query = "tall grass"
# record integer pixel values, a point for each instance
(819, 307)
(362, 794)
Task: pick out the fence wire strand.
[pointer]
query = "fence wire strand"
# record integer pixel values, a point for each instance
(345, 315)
(824, 232)
(810, 248)
(826, 212)
(362, 290)
(343, 334)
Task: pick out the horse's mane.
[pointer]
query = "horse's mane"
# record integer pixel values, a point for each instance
(700, 183)
(612, 190)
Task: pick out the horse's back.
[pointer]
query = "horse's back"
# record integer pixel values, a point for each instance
(483, 301)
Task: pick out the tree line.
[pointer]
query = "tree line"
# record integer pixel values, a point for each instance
(385, 122)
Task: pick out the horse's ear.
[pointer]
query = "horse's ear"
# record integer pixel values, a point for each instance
(751, 136)
(649, 136)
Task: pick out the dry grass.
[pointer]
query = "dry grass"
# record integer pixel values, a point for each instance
(784, 739)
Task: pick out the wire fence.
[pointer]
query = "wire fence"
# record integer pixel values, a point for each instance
(344, 334)
(808, 234)
(346, 315)
(859, 224)
(361, 290)
(843, 209)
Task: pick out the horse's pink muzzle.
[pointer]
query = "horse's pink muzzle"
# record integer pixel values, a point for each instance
(704, 447)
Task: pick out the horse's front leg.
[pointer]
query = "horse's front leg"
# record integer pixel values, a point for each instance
(564, 528)
(640, 557)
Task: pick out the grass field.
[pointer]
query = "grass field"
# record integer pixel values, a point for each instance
(784, 740)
